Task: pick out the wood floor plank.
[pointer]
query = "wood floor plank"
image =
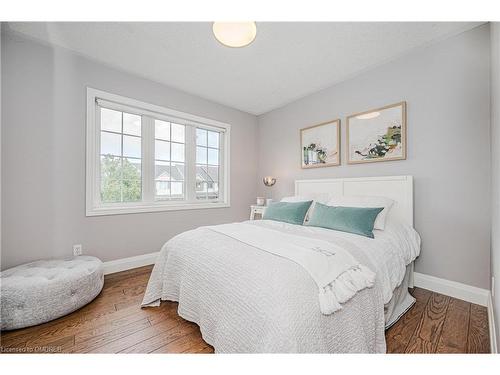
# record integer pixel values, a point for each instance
(63, 344)
(100, 340)
(164, 322)
(478, 339)
(206, 350)
(119, 285)
(126, 279)
(162, 328)
(163, 338)
(79, 317)
(115, 322)
(135, 290)
(85, 334)
(17, 334)
(399, 335)
(120, 276)
(105, 328)
(428, 331)
(183, 344)
(134, 314)
(455, 329)
(81, 324)
(197, 344)
(127, 302)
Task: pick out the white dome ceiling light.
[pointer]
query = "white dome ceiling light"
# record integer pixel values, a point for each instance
(235, 34)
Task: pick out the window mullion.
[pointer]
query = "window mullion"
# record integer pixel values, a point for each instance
(190, 174)
(224, 166)
(121, 161)
(148, 162)
(97, 154)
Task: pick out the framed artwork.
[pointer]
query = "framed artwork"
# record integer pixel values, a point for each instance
(320, 145)
(377, 135)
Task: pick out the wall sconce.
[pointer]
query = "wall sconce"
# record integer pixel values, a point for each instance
(269, 181)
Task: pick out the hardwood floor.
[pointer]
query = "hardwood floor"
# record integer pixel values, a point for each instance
(115, 323)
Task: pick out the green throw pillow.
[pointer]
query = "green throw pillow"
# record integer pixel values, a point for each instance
(288, 212)
(356, 220)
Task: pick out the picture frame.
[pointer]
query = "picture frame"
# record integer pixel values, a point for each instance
(320, 145)
(377, 135)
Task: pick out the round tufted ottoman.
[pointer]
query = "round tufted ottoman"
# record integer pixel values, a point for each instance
(37, 292)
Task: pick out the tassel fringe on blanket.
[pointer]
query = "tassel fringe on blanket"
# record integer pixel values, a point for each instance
(344, 288)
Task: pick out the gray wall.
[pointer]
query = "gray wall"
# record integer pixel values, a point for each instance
(43, 145)
(446, 87)
(495, 169)
(43, 158)
(0, 141)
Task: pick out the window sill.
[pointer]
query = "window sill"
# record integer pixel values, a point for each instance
(137, 209)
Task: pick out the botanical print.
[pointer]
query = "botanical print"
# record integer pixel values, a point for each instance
(377, 135)
(320, 145)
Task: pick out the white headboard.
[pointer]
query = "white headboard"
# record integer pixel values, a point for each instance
(398, 188)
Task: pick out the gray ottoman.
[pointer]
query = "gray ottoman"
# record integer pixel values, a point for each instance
(37, 292)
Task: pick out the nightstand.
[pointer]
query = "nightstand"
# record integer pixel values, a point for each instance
(259, 210)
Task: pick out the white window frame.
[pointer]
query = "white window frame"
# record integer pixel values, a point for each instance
(94, 206)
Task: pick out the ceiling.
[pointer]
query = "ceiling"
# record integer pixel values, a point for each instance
(285, 62)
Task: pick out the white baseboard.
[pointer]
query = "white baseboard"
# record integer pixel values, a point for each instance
(492, 326)
(453, 289)
(125, 264)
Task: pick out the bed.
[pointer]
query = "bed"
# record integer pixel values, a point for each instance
(246, 300)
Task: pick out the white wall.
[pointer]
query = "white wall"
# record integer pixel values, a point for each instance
(495, 169)
(43, 158)
(446, 87)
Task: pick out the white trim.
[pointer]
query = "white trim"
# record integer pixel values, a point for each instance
(492, 326)
(156, 109)
(125, 264)
(137, 209)
(190, 173)
(452, 288)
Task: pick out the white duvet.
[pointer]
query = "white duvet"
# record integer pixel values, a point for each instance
(248, 300)
(338, 275)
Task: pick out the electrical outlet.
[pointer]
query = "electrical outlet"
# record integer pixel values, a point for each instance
(77, 250)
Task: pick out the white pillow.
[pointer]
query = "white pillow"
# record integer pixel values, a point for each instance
(295, 198)
(366, 201)
(321, 198)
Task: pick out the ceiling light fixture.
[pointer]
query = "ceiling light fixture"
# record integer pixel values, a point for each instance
(235, 34)
(368, 116)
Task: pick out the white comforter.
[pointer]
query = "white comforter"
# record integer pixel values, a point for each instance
(248, 300)
(337, 274)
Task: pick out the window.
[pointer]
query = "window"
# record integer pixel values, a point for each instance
(144, 158)
(169, 160)
(120, 156)
(207, 164)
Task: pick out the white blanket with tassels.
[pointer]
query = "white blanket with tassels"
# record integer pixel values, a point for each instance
(338, 275)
